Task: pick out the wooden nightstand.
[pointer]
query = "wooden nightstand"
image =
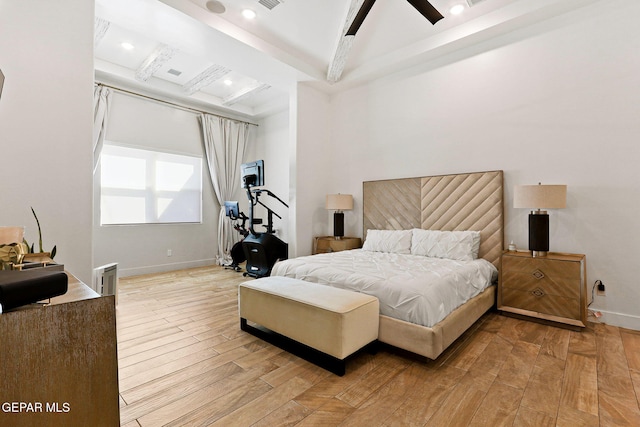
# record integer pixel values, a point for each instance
(550, 288)
(326, 244)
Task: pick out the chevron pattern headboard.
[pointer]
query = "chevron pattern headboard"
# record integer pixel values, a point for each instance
(469, 201)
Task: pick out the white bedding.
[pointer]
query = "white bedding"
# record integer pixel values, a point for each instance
(412, 288)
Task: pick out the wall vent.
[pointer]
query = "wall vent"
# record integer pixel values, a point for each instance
(270, 4)
(472, 3)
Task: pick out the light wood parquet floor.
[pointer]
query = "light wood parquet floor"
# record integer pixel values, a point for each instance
(183, 361)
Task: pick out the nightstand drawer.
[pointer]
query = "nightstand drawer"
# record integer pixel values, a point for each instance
(556, 268)
(569, 288)
(539, 302)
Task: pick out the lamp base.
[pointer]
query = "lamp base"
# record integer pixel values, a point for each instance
(538, 254)
(338, 225)
(539, 233)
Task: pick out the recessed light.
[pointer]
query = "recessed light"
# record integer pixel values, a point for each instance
(228, 82)
(248, 13)
(457, 9)
(127, 45)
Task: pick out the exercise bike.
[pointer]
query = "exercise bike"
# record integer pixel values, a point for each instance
(261, 250)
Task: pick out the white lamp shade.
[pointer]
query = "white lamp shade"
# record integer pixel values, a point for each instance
(339, 202)
(540, 196)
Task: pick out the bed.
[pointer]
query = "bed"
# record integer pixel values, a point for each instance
(469, 204)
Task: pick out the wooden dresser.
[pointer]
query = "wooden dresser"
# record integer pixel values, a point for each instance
(58, 362)
(551, 288)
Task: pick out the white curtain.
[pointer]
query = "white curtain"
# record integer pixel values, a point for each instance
(225, 142)
(101, 103)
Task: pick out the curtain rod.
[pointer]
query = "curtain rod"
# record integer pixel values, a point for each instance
(173, 104)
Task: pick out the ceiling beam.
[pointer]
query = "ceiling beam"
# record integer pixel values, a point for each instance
(160, 56)
(205, 78)
(101, 26)
(339, 59)
(245, 93)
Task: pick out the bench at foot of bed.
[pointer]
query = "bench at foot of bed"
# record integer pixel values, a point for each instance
(322, 324)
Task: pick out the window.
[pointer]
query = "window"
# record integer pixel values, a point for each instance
(144, 187)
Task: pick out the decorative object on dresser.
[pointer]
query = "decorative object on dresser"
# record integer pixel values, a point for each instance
(339, 203)
(539, 197)
(11, 235)
(16, 254)
(51, 254)
(552, 288)
(324, 244)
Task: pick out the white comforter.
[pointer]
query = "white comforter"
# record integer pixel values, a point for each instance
(412, 288)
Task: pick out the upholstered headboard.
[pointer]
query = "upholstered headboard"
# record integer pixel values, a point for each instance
(469, 201)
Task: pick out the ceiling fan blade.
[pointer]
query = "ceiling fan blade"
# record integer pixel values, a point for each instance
(359, 19)
(427, 10)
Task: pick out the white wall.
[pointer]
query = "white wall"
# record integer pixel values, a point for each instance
(311, 167)
(556, 103)
(46, 54)
(141, 249)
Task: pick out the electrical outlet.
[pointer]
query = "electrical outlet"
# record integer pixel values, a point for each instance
(600, 289)
(169, 252)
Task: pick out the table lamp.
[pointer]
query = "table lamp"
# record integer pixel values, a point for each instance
(539, 197)
(339, 203)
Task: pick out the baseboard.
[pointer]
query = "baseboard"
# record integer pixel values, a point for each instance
(137, 271)
(618, 319)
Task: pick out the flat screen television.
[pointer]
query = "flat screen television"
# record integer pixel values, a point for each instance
(252, 174)
(232, 210)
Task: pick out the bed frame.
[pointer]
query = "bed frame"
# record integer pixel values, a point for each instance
(469, 201)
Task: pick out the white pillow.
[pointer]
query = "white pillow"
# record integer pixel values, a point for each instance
(394, 241)
(458, 245)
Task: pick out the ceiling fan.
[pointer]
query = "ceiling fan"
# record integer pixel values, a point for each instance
(422, 6)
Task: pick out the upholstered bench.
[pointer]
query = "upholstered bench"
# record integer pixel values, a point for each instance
(320, 323)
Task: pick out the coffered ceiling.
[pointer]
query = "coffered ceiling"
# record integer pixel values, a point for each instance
(205, 53)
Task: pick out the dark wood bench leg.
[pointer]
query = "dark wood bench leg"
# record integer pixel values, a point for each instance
(324, 360)
(373, 347)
